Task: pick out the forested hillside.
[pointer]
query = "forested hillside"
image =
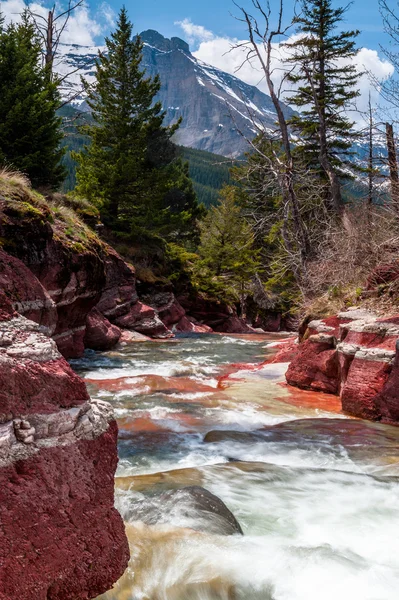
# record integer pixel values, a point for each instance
(209, 172)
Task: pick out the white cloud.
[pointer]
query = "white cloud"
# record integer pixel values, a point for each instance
(82, 27)
(223, 53)
(195, 33)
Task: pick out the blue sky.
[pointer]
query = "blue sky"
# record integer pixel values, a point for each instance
(211, 30)
(215, 16)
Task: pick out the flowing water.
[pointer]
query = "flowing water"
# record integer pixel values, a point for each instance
(316, 493)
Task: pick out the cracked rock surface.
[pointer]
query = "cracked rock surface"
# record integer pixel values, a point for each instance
(60, 536)
(355, 355)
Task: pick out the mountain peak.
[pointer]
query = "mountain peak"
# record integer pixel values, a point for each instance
(157, 40)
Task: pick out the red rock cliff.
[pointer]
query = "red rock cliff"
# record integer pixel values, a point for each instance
(60, 535)
(354, 355)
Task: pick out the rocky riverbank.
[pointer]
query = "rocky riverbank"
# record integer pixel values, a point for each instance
(58, 273)
(63, 289)
(61, 536)
(355, 355)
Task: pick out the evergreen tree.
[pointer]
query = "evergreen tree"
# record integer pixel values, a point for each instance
(326, 82)
(30, 132)
(228, 258)
(131, 164)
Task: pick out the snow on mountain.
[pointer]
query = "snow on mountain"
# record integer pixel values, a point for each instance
(219, 110)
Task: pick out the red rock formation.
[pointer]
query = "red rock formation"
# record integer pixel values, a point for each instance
(218, 316)
(60, 535)
(26, 293)
(100, 334)
(354, 355)
(234, 325)
(387, 401)
(145, 320)
(57, 282)
(316, 366)
(287, 350)
(188, 325)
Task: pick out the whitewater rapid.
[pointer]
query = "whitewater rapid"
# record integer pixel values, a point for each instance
(316, 493)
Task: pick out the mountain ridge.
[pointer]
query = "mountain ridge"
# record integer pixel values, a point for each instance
(219, 111)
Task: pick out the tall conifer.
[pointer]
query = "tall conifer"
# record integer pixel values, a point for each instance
(130, 164)
(30, 132)
(227, 251)
(326, 81)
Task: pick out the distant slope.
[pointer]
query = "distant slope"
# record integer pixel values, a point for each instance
(214, 105)
(209, 172)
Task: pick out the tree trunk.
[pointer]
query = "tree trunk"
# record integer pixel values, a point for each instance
(370, 161)
(288, 186)
(49, 41)
(393, 166)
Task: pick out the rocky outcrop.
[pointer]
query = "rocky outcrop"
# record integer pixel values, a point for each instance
(100, 334)
(193, 506)
(58, 273)
(353, 355)
(60, 535)
(145, 320)
(190, 325)
(219, 316)
(67, 280)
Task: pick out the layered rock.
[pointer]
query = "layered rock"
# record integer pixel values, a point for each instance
(145, 320)
(60, 535)
(219, 316)
(71, 283)
(354, 355)
(100, 334)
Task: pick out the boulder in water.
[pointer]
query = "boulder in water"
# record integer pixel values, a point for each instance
(223, 435)
(191, 507)
(100, 333)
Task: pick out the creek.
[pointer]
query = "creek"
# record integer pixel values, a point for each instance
(315, 492)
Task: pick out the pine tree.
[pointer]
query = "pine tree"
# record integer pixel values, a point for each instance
(227, 254)
(326, 81)
(30, 132)
(131, 165)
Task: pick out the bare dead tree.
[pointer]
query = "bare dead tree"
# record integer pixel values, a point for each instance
(393, 166)
(50, 30)
(389, 89)
(371, 172)
(262, 36)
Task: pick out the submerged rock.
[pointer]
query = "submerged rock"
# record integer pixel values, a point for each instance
(192, 507)
(223, 435)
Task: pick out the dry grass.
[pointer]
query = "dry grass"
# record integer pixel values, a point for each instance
(350, 251)
(13, 177)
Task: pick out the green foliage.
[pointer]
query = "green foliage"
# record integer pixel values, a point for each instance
(323, 68)
(209, 173)
(29, 128)
(81, 206)
(228, 258)
(130, 169)
(258, 193)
